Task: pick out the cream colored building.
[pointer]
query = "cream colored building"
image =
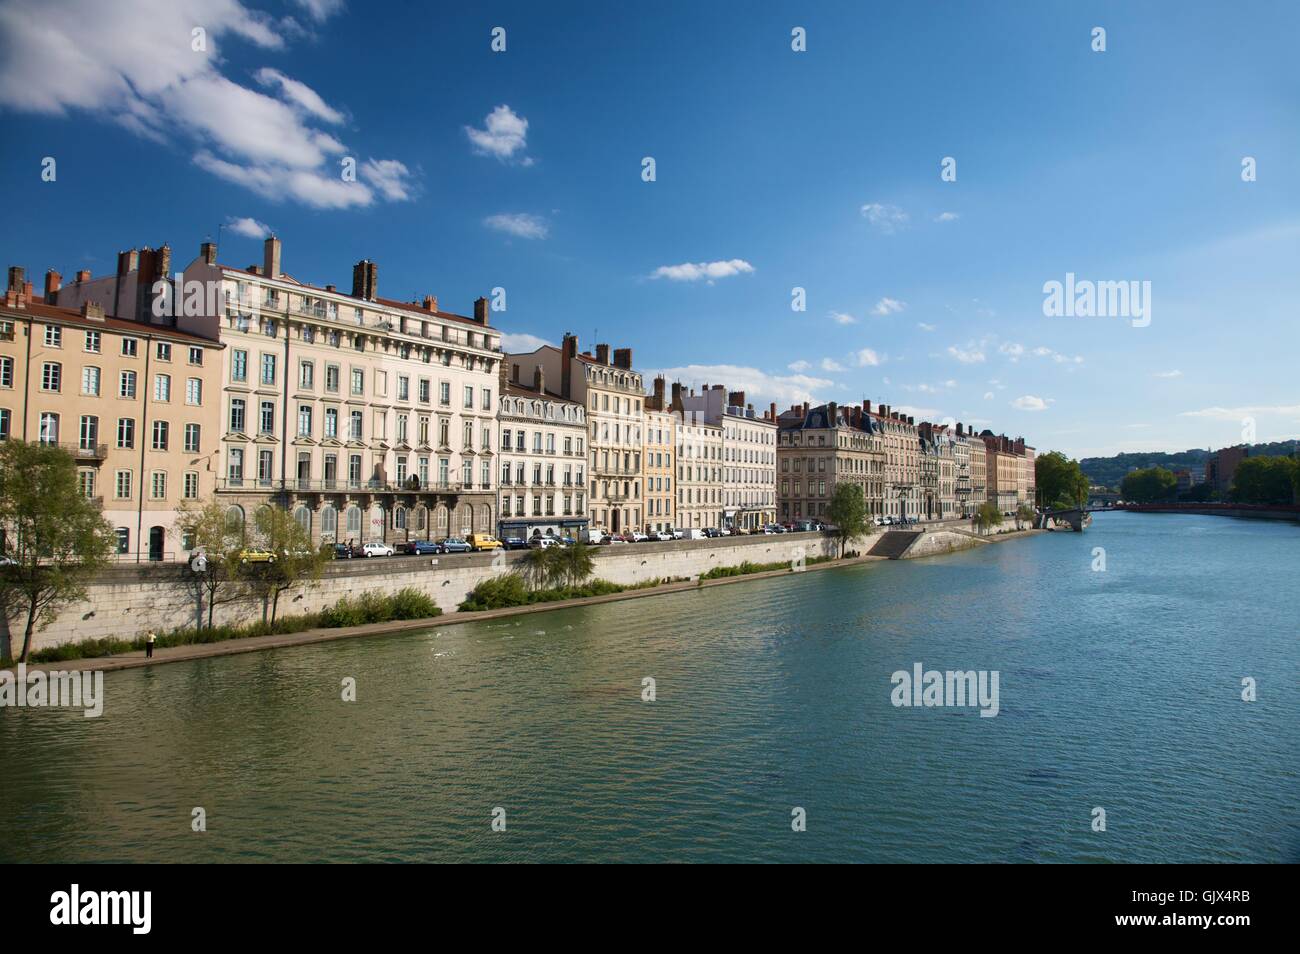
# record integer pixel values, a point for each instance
(902, 447)
(658, 447)
(978, 473)
(543, 458)
(613, 395)
(137, 406)
(820, 447)
(699, 468)
(748, 454)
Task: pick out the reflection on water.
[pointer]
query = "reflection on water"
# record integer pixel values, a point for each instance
(1118, 689)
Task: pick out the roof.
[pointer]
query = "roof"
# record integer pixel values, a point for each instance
(518, 389)
(40, 311)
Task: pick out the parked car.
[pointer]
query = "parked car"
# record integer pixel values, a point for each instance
(712, 532)
(679, 533)
(663, 536)
(453, 545)
(256, 556)
(693, 533)
(636, 536)
(567, 540)
(594, 535)
(376, 549)
(542, 543)
(483, 541)
(515, 543)
(421, 547)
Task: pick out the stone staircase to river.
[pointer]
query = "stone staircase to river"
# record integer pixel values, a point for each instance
(893, 544)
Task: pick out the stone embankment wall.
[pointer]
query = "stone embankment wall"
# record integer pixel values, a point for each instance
(129, 600)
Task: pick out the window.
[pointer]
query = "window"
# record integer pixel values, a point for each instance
(266, 420)
(51, 376)
(235, 466)
(158, 485)
(487, 399)
(123, 540)
(331, 422)
(122, 485)
(160, 435)
(268, 369)
(6, 372)
(90, 381)
(332, 378)
(162, 387)
(49, 433)
(469, 397)
(196, 356)
(126, 432)
(92, 342)
(86, 482)
(193, 391)
(403, 388)
(89, 436)
(126, 384)
(191, 438)
(237, 415)
(304, 420)
(6, 423)
(190, 491)
(130, 347)
(358, 381)
(239, 366)
(306, 375)
(354, 432)
(444, 393)
(53, 336)
(164, 351)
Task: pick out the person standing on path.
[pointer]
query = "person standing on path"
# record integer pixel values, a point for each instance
(148, 645)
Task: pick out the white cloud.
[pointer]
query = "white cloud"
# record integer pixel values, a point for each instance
(760, 388)
(1030, 402)
(971, 354)
(504, 133)
(1011, 350)
(694, 271)
(831, 365)
(391, 178)
(299, 94)
(1169, 374)
(888, 306)
(886, 218)
(841, 318)
(320, 10)
(249, 228)
(1237, 413)
(800, 365)
(947, 217)
(920, 413)
(520, 342)
(518, 224)
(137, 68)
(924, 327)
(866, 358)
(988, 395)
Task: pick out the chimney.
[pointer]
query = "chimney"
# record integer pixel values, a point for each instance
(208, 252)
(736, 398)
(805, 408)
(271, 257)
(539, 380)
(481, 311)
(331, 288)
(365, 280)
(602, 353)
(677, 398)
(772, 410)
(92, 310)
(568, 351)
(623, 358)
(83, 275)
(910, 419)
(430, 303)
(660, 387)
(53, 281)
(832, 414)
(866, 407)
(127, 262)
(959, 434)
(514, 373)
(16, 274)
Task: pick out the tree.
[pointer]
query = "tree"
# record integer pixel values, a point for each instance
(541, 568)
(1061, 482)
(1024, 514)
(296, 560)
(219, 538)
(576, 563)
(987, 516)
(847, 511)
(1264, 480)
(1148, 486)
(55, 538)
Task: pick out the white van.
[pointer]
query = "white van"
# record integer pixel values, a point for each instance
(593, 535)
(692, 533)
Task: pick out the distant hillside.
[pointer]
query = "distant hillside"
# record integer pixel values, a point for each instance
(1109, 471)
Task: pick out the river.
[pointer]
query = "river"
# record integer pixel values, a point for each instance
(1119, 689)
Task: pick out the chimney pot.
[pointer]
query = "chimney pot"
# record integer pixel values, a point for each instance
(602, 353)
(16, 278)
(430, 303)
(623, 358)
(539, 380)
(53, 281)
(271, 257)
(481, 311)
(208, 252)
(83, 275)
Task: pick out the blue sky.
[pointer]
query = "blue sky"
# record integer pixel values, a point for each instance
(775, 169)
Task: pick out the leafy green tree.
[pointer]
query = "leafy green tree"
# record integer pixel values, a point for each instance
(1024, 514)
(1061, 482)
(541, 568)
(296, 560)
(1264, 480)
(847, 511)
(576, 563)
(987, 516)
(1149, 485)
(54, 538)
(219, 539)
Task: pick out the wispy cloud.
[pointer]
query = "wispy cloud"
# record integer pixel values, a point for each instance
(759, 386)
(947, 217)
(799, 365)
(867, 358)
(249, 228)
(504, 134)
(1237, 413)
(1168, 374)
(888, 306)
(924, 327)
(708, 271)
(1030, 402)
(843, 318)
(520, 342)
(831, 365)
(519, 224)
(885, 218)
(971, 354)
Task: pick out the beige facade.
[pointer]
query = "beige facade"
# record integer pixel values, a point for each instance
(543, 458)
(658, 449)
(613, 396)
(138, 407)
(748, 454)
(819, 447)
(902, 447)
(699, 469)
(978, 473)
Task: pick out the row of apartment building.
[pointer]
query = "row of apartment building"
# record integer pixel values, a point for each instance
(377, 419)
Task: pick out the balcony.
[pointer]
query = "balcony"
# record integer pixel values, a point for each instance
(87, 451)
(411, 485)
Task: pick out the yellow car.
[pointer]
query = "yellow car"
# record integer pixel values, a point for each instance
(483, 541)
(256, 556)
